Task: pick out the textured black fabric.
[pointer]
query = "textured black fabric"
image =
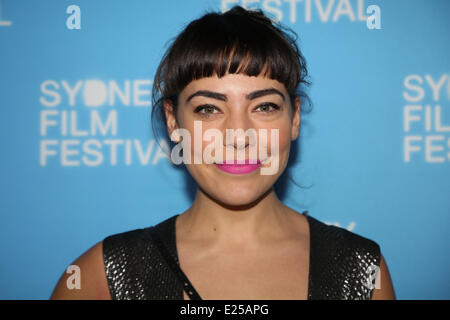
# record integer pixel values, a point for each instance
(171, 260)
(135, 269)
(340, 264)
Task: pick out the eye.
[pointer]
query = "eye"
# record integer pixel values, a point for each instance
(268, 107)
(206, 110)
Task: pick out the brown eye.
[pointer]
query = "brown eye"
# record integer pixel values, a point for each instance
(268, 107)
(205, 109)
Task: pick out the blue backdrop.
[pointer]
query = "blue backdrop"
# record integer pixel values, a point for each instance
(79, 161)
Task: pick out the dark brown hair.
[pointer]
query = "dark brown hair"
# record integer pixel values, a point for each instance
(237, 41)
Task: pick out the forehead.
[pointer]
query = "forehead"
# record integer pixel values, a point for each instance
(232, 85)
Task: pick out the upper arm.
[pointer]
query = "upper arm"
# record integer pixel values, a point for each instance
(384, 290)
(92, 276)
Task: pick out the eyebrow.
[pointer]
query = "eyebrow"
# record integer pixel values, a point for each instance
(223, 97)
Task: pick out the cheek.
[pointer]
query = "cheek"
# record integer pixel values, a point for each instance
(280, 141)
(284, 139)
(279, 148)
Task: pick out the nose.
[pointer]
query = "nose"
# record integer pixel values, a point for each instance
(239, 133)
(236, 139)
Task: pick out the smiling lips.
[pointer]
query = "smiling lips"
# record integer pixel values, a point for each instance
(235, 168)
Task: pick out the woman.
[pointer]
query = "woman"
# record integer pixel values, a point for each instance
(235, 70)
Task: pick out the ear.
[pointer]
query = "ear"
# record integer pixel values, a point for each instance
(171, 120)
(295, 129)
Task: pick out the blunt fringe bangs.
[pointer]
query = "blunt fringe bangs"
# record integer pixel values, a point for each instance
(238, 41)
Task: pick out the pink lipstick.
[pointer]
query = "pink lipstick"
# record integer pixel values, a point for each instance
(235, 168)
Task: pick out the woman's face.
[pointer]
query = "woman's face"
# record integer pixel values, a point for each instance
(236, 101)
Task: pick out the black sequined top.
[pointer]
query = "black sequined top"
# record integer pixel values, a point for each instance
(143, 264)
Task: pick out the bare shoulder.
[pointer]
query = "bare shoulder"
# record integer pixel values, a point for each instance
(86, 279)
(384, 290)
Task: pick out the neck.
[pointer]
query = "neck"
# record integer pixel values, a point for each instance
(249, 225)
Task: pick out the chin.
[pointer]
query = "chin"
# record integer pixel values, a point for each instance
(237, 196)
